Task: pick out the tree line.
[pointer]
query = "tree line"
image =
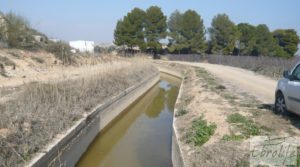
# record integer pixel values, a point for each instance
(186, 34)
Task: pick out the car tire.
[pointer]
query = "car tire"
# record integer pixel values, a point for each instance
(280, 105)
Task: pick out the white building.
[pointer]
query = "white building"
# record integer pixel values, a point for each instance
(83, 46)
(40, 38)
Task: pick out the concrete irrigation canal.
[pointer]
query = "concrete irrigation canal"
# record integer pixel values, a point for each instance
(141, 135)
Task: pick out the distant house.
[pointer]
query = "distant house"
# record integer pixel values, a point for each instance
(164, 46)
(54, 40)
(83, 46)
(40, 38)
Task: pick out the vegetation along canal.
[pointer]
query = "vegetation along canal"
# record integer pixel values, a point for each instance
(142, 135)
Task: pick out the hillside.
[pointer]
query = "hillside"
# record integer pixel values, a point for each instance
(21, 66)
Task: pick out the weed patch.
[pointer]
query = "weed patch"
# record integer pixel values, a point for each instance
(233, 137)
(236, 118)
(250, 129)
(181, 112)
(213, 84)
(201, 131)
(247, 126)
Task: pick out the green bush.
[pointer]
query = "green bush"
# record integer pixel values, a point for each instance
(18, 32)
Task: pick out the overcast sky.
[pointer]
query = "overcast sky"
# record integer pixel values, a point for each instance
(96, 19)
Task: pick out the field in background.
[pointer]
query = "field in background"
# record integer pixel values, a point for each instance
(269, 66)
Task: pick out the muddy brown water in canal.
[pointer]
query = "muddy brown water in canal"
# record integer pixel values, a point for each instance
(141, 136)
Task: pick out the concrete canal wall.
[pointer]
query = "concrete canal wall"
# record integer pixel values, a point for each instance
(67, 149)
(177, 158)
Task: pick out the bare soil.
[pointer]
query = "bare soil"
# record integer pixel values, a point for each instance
(260, 86)
(27, 69)
(217, 92)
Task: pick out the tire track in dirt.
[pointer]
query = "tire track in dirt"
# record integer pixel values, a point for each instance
(257, 85)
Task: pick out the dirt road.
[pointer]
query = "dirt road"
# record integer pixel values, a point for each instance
(257, 85)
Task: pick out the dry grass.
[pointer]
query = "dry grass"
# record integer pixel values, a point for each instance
(42, 111)
(226, 154)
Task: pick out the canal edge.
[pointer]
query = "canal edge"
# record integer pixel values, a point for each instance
(67, 149)
(177, 155)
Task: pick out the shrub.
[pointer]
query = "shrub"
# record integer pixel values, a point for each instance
(38, 59)
(62, 51)
(6, 61)
(18, 32)
(99, 49)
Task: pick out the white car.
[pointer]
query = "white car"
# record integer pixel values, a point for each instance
(287, 96)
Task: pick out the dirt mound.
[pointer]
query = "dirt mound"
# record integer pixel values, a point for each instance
(19, 66)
